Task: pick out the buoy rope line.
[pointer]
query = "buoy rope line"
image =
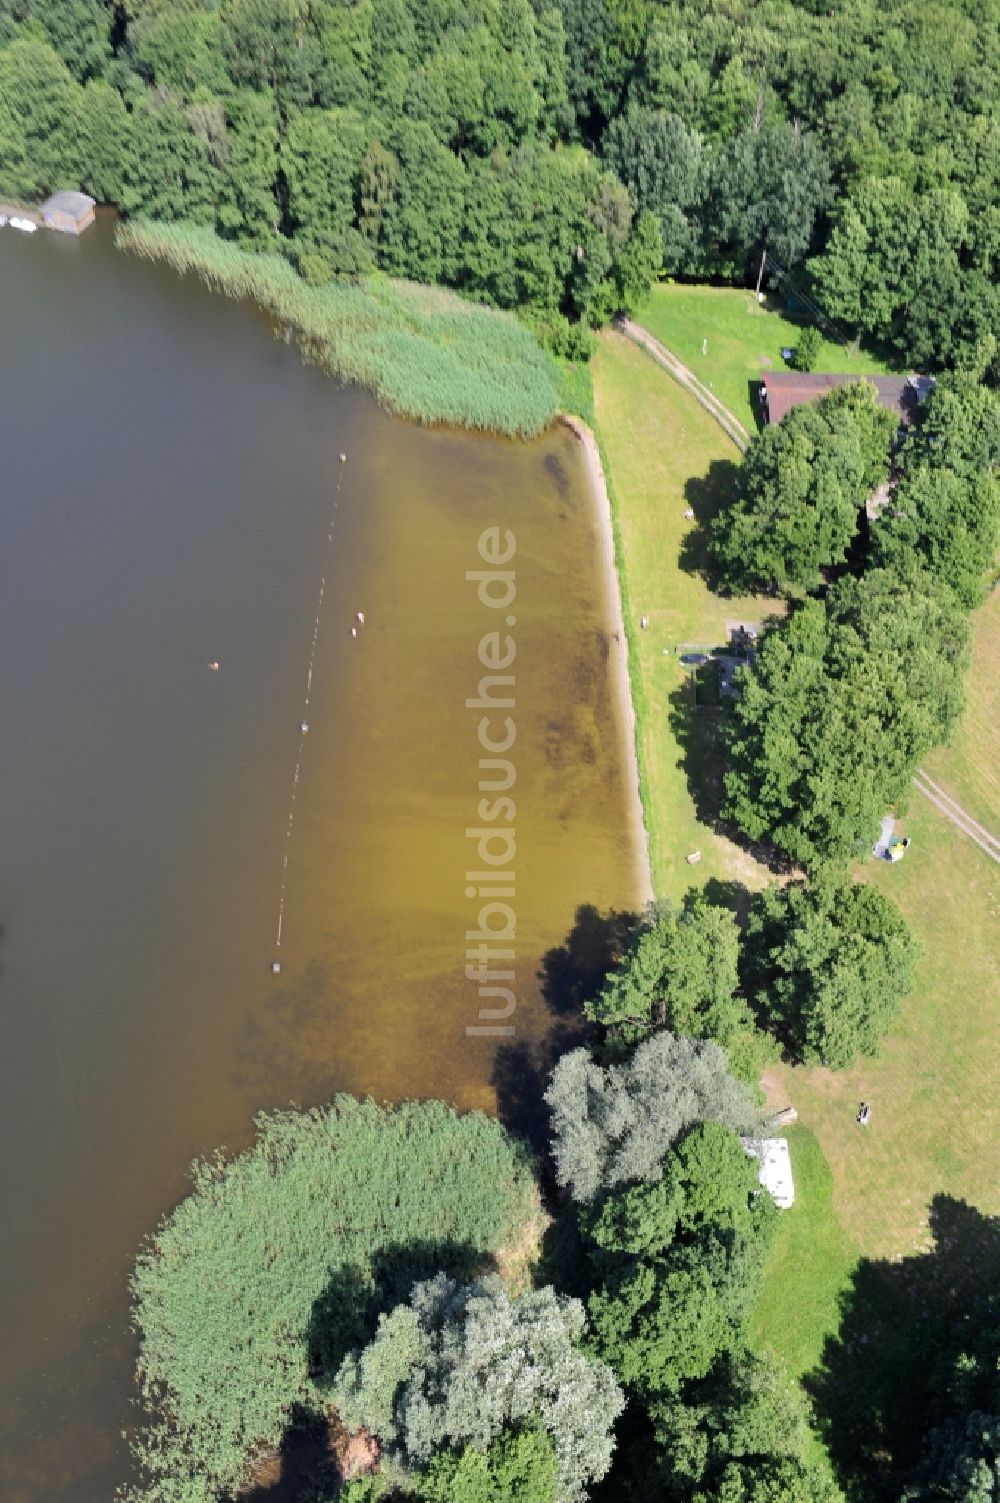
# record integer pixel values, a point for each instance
(304, 726)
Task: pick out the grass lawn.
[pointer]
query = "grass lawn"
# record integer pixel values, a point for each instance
(744, 340)
(810, 1264)
(665, 454)
(935, 1108)
(970, 768)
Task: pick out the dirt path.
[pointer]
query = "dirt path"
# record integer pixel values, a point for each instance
(686, 377)
(953, 810)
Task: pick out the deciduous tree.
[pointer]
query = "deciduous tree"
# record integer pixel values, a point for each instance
(613, 1124)
(827, 965)
(801, 488)
(455, 1367)
(680, 973)
(680, 1263)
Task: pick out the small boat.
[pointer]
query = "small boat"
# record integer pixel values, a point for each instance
(304, 727)
(27, 226)
(3, 221)
(214, 667)
(275, 967)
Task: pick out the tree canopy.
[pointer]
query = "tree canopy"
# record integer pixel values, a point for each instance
(846, 695)
(680, 1263)
(945, 510)
(519, 1467)
(680, 973)
(742, 1435)
(485, 147)
(454, 1366)
(612, 1124)
(801, 487)
(827, 965)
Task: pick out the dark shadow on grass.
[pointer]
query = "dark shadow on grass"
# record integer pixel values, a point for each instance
(755, 396)
(707, 495)
(728, 894)
(698, 735)
(903, 1325)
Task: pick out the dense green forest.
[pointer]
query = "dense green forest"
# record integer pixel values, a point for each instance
(544, 155)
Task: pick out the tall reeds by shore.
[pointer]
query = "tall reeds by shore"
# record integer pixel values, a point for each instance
(424, 352)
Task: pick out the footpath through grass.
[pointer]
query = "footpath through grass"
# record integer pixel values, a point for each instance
(424, 352)
(935, 1109)
(665, 455)
(743, 340)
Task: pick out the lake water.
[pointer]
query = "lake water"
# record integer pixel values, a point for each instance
(171, 495)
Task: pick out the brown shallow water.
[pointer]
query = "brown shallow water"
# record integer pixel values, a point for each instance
(168, 474)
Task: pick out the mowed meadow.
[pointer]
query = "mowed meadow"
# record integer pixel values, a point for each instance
(935, 1114)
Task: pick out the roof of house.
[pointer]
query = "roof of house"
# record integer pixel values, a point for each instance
(787, 389)
(76, 205)
(775, 1168)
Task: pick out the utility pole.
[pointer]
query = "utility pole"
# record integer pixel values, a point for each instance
(760, 274)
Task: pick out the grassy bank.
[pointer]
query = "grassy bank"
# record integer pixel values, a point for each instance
(424, 352)
(729, 341)
(662, 454)
(935, 1113)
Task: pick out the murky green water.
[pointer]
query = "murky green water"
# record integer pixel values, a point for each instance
(172, 495)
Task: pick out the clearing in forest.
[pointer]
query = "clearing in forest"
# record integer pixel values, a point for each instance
(729, 341)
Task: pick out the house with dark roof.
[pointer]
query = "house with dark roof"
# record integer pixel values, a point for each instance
(783, 390)
(69, 212)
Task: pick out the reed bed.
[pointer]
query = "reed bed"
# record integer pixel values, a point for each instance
(424, 352)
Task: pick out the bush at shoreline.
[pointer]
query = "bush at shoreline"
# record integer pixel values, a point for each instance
(425, 353)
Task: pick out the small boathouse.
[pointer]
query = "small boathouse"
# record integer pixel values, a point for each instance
(69, 212)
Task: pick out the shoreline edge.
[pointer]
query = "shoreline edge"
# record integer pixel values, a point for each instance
(621, 674)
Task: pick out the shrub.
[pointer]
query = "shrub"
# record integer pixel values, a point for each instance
(805, 356)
